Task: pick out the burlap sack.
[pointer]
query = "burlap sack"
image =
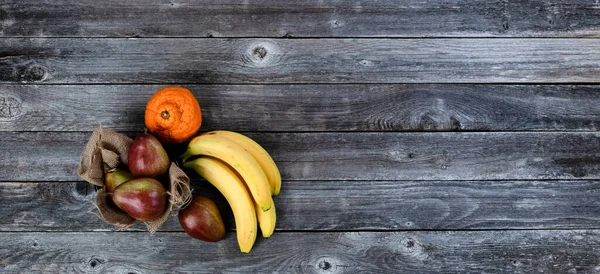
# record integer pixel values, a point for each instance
(108, 149)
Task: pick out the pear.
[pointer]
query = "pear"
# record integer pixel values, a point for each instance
(114, 178)
(147, 158)
(143, 199)
(201, 220)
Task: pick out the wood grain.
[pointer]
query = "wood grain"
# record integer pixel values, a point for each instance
(546, 251)
(186, 61)
(340, 206)
(54, 156)
(381, 107)
(331, 18)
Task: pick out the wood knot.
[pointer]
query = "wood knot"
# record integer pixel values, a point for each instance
(366, 63)
(411, 248)
(261, 54)
(327, 265)
(33, 73)
(438, 121)
(95, 263)
(83, 189)
(324, 265)
(10, 107)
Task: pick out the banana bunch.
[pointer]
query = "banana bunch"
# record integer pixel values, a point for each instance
(244, 173)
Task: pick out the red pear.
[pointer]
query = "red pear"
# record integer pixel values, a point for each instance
(114, 178)
(147, 158)
(201, 219)
(143, 199)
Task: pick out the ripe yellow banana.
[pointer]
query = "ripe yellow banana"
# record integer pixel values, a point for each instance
(266, 220)
(260, 154)
(239, 159)
(234, 190)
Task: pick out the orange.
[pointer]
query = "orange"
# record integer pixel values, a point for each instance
(173, 115)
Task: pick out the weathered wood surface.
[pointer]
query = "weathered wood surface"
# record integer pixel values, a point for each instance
(54, 156)
(41, 60)
(332, 18)
(546, 251)
(344, 110)
(364, 205)
(385, 107)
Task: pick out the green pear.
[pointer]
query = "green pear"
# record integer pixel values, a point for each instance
(114, 178)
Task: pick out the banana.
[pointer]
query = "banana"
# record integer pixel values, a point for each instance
(266, 220)
(210, 144)
(234, 190)
(260, 154)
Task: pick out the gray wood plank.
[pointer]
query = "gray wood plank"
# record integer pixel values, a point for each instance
(331, 18)
(381, 107)
(548, 251)
(54, 156)
(341, 206)
(299, 60)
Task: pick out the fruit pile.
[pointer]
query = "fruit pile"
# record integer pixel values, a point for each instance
(234, 164)
(138, 191)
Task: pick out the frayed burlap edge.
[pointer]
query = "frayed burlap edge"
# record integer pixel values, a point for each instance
(179, 195)
(105, 150)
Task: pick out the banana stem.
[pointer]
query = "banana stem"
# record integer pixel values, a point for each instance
(188, 164)
(185, 156)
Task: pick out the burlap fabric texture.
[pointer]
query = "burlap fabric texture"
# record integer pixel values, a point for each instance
(107, 150)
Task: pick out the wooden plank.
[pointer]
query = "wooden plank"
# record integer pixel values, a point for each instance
(54, 156)
(341, 206)
(40, 60)
(548, 251)
(331, 18)
(311, 107)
